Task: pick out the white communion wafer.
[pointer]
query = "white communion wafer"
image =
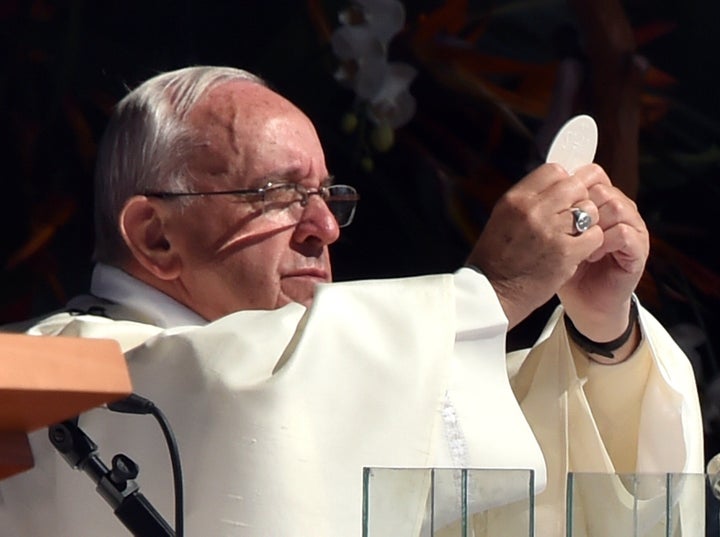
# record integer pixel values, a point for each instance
(575, 143)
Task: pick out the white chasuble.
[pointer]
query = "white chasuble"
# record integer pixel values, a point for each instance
(641, 416)
(277, 412)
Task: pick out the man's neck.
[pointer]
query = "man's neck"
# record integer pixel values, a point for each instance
(123, 287)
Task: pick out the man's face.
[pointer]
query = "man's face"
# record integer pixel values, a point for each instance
(235, 254)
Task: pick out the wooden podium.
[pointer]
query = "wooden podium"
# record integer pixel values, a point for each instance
(45, 380)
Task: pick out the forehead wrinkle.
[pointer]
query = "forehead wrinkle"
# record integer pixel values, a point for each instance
(245, 126)
(221, 149)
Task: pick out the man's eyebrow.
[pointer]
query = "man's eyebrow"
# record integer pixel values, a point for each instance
(290, 176)
(282, 175)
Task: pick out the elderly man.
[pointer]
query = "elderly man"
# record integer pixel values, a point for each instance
(215, 211)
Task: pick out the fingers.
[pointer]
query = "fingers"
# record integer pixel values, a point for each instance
(592, 175)
(531, 249)
(549, 192)
(583, 215)
(546, 199)
(569, 197)
(627, 245)
(528, 248)
(551, 186)
(613, 206)
(625, 235)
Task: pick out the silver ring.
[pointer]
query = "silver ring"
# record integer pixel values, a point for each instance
(581, 219)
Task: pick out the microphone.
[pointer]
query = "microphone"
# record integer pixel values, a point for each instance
(117, 485)
(713, 474)
(136, 404)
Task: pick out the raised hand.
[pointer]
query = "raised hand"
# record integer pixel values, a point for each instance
(529, 247)
(597, 296)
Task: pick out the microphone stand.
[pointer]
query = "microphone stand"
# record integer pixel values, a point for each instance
(116, 485)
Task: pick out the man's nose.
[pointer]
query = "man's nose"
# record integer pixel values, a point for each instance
(317, 221)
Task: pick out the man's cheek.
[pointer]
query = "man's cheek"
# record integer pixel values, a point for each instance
(258, 229)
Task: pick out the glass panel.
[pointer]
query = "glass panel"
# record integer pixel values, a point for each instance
(640, 505)
(425, 502)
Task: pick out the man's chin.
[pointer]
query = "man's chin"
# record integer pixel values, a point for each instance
(300, 294)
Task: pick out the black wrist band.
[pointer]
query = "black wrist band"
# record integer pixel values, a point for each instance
(603, 349)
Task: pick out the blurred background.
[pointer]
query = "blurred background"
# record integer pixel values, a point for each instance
(431, 109)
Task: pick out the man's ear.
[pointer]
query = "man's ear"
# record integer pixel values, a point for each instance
(142, 227)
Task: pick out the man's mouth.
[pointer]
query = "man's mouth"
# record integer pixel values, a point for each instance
(319, 275)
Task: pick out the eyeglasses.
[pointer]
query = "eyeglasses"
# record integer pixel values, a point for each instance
(340, 199)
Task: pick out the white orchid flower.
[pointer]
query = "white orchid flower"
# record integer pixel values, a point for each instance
(392, 103)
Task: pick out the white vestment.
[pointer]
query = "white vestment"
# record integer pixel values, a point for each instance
(277, 412)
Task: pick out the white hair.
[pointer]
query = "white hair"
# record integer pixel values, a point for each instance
(144, 143)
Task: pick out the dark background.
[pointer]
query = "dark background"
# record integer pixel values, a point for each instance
(486, 74)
